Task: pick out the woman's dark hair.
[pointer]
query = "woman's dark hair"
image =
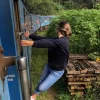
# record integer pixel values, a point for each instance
(66, 32)
(62, 23)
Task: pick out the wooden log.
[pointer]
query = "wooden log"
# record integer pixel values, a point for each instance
(76, 90)
(87, 79)
(69, 75)
(81, 75)
(93, 79)
(76, 72)
(88, 66)
(82, 79)
(77, 87)
(83, 68)
(76, 67)
(88, 86)
(98, 78)
(90, 70)
(97, 71)
(95, 66)
(84, 71)
(78, 56)
(90, 79)
(75, 79)
(70, 68)
(81, 64)
(78, 83)
(79, 93)
(71, 90)
(70, 72)
(85, 75)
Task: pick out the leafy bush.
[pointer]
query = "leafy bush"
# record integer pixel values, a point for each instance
(71, 5)
(43, 7)
(97, 6)
(94, 56)
(85, 27)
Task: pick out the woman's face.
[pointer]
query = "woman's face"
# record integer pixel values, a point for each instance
(57, 30)
(66, 26)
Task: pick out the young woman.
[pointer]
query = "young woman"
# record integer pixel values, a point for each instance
(58, 54)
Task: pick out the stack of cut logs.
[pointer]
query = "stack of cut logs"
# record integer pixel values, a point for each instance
(81, 74)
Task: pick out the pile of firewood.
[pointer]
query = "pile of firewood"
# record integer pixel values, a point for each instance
(81, 74)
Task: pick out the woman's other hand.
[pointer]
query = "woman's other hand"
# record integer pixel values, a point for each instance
(27, 42)
(26, 34)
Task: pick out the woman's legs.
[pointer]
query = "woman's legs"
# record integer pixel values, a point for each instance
(49, 77)
(49, 81)
(45, 73)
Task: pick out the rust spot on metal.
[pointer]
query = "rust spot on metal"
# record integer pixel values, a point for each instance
(5, 62)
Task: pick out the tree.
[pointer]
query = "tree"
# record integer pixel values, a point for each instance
(89, 3)
(43, 7)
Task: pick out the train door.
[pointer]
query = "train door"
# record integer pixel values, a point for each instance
(13, 24)
(22, 24)
(10, 89)
(25, 24)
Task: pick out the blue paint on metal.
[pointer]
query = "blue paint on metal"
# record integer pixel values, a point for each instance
(0, 42)
(6, 89)
(42, 21)
(8, 43)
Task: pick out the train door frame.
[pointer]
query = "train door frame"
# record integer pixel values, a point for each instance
(26, 26)
(17, 30)
(28, 49)
(24, 51)
(17, 27)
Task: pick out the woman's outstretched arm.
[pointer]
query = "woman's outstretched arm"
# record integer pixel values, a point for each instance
(43, 43)
(34, 37)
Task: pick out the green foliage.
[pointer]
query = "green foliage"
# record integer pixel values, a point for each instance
(77, 3)
(85, 27)
(94, 56)
(52, 7)
(43, 7)
(97, 6)
(71, 5)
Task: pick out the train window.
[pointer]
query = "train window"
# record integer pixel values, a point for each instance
(27, 23)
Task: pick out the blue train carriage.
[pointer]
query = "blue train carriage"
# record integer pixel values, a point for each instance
(38, 22)
(14, 19)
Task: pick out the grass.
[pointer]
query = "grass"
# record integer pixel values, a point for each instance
(59, 90)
